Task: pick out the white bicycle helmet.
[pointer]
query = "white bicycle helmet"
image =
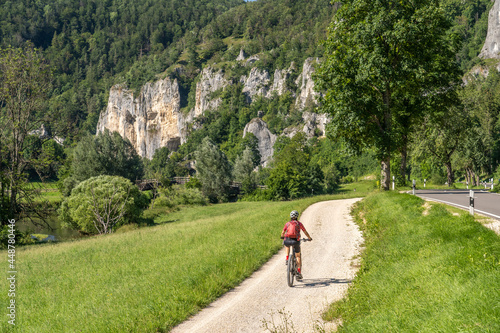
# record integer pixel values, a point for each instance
(294, 214)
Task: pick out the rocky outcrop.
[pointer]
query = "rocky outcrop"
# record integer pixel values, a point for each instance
(150, 120)
(314, 125)
(210, 81)
(491, 47)
(279, 85)
(242, 56)
(255, 84)
(266, 139)
(306, 84)
(153, 119)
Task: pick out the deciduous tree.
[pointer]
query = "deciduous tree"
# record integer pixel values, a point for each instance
(100, 204)
(25, 80)
(387, 64)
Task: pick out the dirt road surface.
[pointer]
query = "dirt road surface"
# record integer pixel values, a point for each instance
(328, 268)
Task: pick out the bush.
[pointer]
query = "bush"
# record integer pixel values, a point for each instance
(181, 196)
(100, 204)
(20, 237)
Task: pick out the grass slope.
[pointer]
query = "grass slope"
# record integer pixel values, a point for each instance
(422, 272)
(150, 279)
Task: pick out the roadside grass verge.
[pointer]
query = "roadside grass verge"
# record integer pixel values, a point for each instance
(421, 272)
(151, 278)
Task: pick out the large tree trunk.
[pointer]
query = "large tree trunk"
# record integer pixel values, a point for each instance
(451, 175)
(386, 174)
(13, 202)
(404, 157)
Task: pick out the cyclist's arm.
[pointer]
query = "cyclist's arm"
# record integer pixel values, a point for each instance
(305, 232)
(284, 230)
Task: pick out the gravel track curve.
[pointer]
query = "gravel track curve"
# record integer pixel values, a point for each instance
(328, 268)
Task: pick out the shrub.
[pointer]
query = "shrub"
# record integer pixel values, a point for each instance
(181, 196)
(100, 204)
(21, 238)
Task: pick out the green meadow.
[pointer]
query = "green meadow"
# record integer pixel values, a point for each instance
(424, 269)
(151, 278)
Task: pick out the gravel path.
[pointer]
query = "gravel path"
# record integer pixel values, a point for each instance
(265, 297)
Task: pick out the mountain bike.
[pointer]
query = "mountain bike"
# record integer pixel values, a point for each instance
(291, 268)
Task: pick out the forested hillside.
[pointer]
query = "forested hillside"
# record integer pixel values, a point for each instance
(95, 44)
(91, 46)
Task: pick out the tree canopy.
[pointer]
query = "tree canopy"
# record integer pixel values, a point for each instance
(387, 64)
(25, 80)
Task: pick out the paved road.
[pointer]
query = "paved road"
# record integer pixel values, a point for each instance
(484, 203)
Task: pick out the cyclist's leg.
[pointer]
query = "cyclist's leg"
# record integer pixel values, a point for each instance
(287, 254)
(297, 254)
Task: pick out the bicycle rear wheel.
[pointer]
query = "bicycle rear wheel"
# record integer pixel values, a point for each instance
(290, 269)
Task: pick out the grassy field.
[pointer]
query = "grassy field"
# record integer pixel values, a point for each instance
(152, 278)
(424, 269)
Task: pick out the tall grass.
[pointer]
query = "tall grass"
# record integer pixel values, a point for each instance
(432, 272)
(148, 279)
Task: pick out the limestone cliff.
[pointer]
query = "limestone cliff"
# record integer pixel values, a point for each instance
(150, 120)
(266, 139)
(279, 83)
(153, 119)
(305, 83)
(256, 84)
(491, 47)
(210, 81)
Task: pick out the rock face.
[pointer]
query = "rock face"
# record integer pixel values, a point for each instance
(256, 83)
(153, 119)
(306, 84)
(210, 81)
(150, 121)
(266, 139)
(242, 56)
(314, 125)
(491, 47)
(279, 83)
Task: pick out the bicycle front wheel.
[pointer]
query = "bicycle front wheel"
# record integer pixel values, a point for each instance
(290, 270)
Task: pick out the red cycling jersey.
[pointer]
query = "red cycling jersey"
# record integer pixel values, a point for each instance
(301, 227)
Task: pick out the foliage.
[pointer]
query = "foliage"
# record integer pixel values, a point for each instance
(100, 204)
(470, 22)
(387, 64)
(442, 138)
(25, 80)
(213, 170)
(243, 171)
(106, 154)
(292, 175)
(22, 238)
(183, 195)
(156, 167)
(416, 265)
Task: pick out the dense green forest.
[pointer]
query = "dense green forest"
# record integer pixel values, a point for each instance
(91, 45)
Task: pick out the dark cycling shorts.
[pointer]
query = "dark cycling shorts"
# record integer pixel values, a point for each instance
(292, 242)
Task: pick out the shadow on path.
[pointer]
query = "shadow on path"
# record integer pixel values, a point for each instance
(320, 283)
